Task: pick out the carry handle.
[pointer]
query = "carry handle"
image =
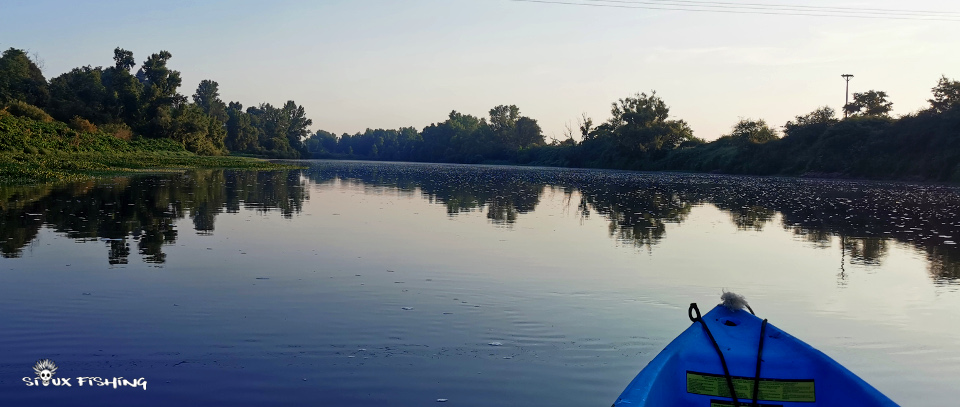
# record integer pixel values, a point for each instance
(693, 308)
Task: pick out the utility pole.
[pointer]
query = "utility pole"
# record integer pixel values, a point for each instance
(847, 100)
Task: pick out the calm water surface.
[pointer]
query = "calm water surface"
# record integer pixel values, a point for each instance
(400, 284)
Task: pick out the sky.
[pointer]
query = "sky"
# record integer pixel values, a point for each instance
(361, 64)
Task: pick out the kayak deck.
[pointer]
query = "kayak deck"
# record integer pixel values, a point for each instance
(688, 372)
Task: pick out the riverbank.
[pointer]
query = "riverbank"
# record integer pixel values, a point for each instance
(37, 150)
(65, 166)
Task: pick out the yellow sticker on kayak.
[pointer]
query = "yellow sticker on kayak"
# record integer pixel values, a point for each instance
(721, 403)
(793, 390)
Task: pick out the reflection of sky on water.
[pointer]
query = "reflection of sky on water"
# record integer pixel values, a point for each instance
(267, 279)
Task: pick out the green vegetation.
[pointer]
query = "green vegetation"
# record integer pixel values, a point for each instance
(94, 121)
(111, 110)
(33, 150)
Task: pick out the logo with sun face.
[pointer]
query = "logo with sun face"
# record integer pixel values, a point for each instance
(45, 369)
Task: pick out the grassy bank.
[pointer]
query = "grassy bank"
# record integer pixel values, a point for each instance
(37, 149)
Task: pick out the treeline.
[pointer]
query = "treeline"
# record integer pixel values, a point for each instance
(868, 143)
(462, 138)
(125, 103)
(638, 135)
(641, 135)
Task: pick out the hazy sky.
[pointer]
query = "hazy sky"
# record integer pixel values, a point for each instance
(389, 63)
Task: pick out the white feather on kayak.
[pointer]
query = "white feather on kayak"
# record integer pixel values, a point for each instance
(734, 302)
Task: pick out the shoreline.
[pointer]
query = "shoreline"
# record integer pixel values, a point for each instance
(59, 166)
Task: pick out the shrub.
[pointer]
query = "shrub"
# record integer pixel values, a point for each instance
(82, 125)
(118, 130)
(18, 108)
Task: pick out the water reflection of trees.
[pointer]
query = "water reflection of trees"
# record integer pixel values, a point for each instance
(638, 215)
(503, 192)
(868, 216)
(141, 210)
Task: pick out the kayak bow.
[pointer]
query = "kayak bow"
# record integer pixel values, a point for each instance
(727, 349)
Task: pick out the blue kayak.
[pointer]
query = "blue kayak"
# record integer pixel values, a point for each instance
(692, 371)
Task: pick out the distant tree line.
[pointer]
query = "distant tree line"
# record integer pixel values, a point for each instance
(639, 135)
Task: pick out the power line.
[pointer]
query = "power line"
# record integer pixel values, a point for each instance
(785, 7)
(649, 5)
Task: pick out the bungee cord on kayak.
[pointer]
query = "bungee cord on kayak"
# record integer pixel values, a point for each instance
(794, 374)
(723, 361)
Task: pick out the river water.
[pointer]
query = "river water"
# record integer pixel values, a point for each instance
(369, 284)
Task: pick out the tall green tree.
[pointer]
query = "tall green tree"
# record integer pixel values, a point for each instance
(298, 125)
(512, 131)
(80, 92)
(870, 103)
(529, 133)
(822, 115)
(207, 97)
(188, 124)
(946, 95)
(809, 127)
(241, 134)
(321, 142)
(21, 79)
(281, 130)
(123, 59)
(640, 125)
(504, 118)
(160, 85)
(124, 90)
(752, 131)
(460, 138)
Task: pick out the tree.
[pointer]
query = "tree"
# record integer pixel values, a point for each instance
(297, 126)
(281, 131)
(458, 138)
(946, 95)
(321, 142)
(123, 59)
(640, 110)
(529, 133)
(160, 89)
(21, 79)
(504, 118)
(585, 125)
(513, 131)
(123, 90)
(188, 124)
(870, 103)
(752, 131)
(822, 115)
(241, 134)
(80, 92)
(207, 97)
(639, 125)
(503, 124)
(809, 127)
